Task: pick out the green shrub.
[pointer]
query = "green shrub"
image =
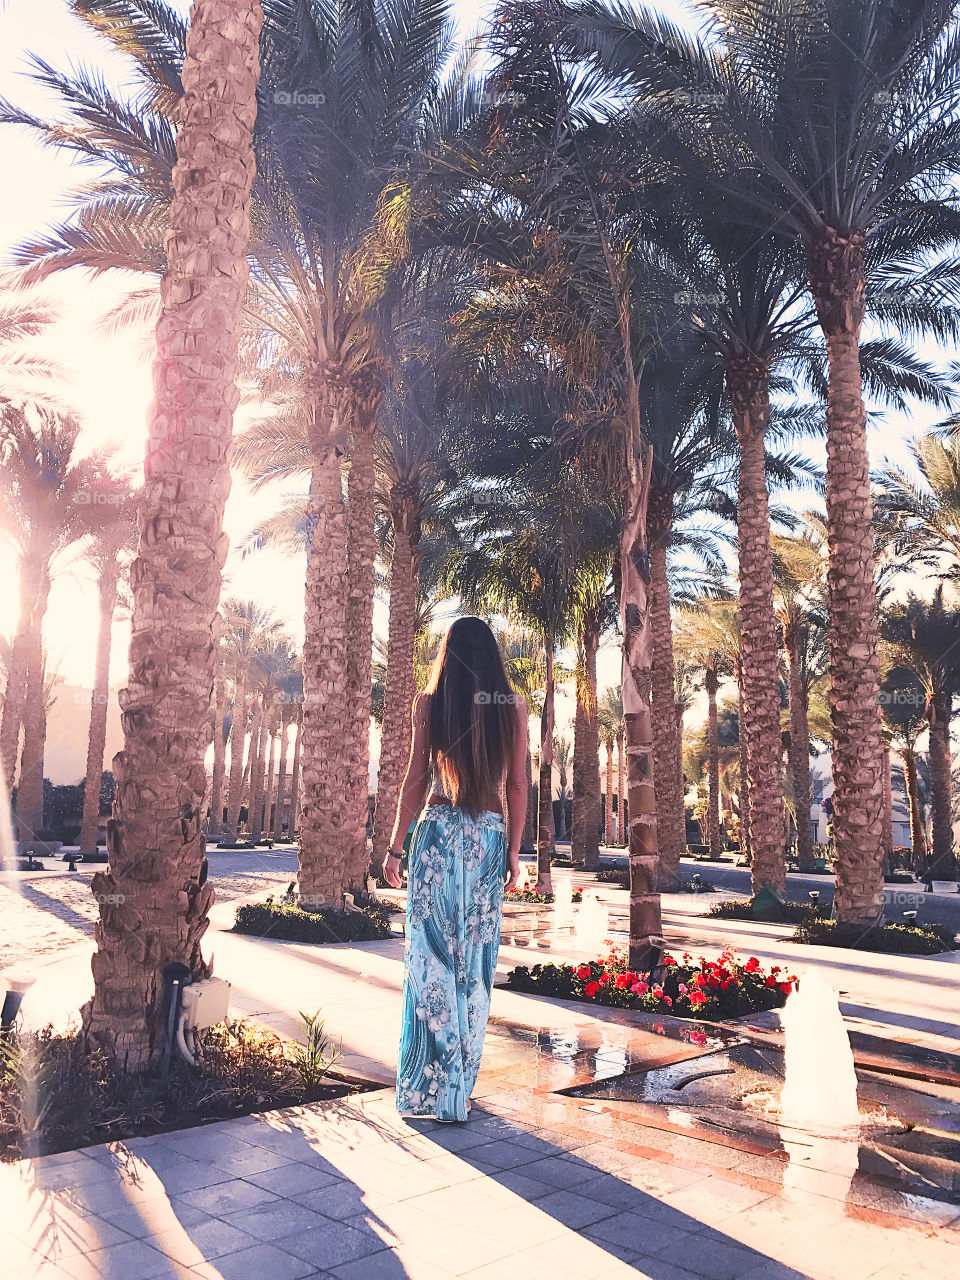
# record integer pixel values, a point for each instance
(287, 922)
(742, 909)
(895, 939)
(621, 876)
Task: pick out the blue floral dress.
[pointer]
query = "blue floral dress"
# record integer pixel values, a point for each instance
(454, 906)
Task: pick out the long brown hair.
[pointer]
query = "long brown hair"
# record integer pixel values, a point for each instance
(473, 714)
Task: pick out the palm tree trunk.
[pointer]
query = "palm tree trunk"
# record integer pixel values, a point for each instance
(254, 760)
(361, 575)
(941, 785)
(745, 840)
(838, 283)
(96, 742)
(219, 756)
(585, 835)
(667, 769)
(530, 821)
(918, 840)
(608, 797)
(645, 918)
(748, 386)
(545, 814)
(799, 750)
(30, 787)
(276, 830)
(15, 688)
(293, 814)
(266, 789)
(155, 898)
(398, 696)
(328, 832)
(711, 684)
(238, 735)
(622, 834)
(887, 808)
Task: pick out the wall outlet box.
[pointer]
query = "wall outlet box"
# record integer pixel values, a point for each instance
(205, 1003)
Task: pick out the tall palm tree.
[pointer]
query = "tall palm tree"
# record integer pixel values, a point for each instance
(918, 512)
(799, 568)
(562, 759)
(110, 552)
(903, 703)
(924, 636)
(609, 722)
(824, 122)
(595, 612)
(155, 897)
(523, 657)
(49, 505)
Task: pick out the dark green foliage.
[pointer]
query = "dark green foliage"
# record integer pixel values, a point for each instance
(895, 939)
(739, 909)
(288, 922)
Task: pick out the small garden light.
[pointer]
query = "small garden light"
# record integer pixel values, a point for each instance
(814, 896)
(910, 917)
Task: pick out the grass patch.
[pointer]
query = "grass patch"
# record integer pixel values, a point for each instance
(895, 939)
(286, 921)
(58, 1093)
(620, 876)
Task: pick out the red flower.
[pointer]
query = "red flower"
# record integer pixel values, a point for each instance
(771, 981)
(752, 965)
(786, 988)
(697, 997)
(591, 989)
(583, 971)
(621, 981)
(669, 960)
(667, 1001)
(605, 979)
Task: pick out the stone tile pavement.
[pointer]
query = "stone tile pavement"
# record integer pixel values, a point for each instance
(348, 1190)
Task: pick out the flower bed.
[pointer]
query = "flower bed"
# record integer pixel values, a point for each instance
(620, 876)
(742, 909)
(894, 939)
(285, 921)
(708, 990)
(525, 893)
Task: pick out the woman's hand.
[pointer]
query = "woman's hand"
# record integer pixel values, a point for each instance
(513, 872)
(391, 871)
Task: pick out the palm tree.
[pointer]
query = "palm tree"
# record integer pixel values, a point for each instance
(609, 724)
(524, 659)
(158, 871)
(48, 507)
(924, 637)
(110, 551)
(799, 565)
(561, 760)
(594, 613)
(903, 710)
(918, 515)
(823, 122)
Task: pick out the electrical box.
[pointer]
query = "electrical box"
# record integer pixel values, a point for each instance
(205, 1003)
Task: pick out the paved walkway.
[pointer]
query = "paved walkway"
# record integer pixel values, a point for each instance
(537, 1184)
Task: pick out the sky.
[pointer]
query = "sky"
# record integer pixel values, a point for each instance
(106, 380)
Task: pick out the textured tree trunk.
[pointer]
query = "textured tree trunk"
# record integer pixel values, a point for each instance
(918, 839)
(887, 809)
(276, 830)
(745, 840)
(645, 919)
(545, 836)
(591, 751)
(328, 831)
(293, 819)
(96, 741)
(711, 684)
(155, 898)
(530, 821)
(608, 833)
(238, 735)
(361, 560)
(16, 685)
(622, 833)
(254, 760)
(799, 749)
(268, 791)
(748, 386)
(219, 755)
(398, 696)
(30, 788)
(259, 788)
(941, 785)
(837, 281)
(667, 770)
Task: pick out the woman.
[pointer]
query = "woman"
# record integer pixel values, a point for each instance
(470, 728)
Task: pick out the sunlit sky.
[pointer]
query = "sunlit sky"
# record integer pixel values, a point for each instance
(107, 380)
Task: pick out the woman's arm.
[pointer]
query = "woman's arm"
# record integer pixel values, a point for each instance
(413, 790)
(517, 794)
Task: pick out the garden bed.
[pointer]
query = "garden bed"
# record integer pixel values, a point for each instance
(893, 939)
(700, 989)
(527, 894)
(620, 876)
(285, 920)
(58, 1094)
(742, 909)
